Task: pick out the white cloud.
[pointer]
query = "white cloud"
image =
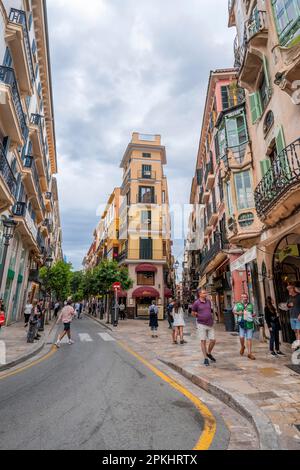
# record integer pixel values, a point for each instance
(120, 66)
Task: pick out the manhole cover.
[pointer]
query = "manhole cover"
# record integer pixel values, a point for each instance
(262, 395)
(294, 368)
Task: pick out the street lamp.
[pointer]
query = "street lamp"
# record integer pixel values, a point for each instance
(9, 226)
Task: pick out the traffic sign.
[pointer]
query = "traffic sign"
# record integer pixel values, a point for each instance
(116, 286)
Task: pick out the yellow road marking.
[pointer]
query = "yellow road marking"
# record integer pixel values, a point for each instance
(205, 440)
(34, 363)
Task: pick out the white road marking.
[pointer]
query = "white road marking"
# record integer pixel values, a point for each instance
(85, 337)
(277, 429)
(106, 337)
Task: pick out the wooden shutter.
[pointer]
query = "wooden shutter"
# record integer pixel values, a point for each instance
(266, 71)
(255, 107)
(265, 166)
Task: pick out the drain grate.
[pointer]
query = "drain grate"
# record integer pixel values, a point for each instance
(294, 368)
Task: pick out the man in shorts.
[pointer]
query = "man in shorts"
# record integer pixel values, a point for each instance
(244, 312)
(66, 316)
(202, 310)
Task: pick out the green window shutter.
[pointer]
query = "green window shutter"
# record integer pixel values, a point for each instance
(280, 141)
(266, 71)
(255, 107)
(265, 166)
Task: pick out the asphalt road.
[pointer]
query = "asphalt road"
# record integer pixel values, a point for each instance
(94, 395)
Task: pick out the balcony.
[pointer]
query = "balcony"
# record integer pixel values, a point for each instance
(255, 40)
(122, 256)
(48, 201)
(37, 139)
(46, 227)
(212, 215)
(209, 175)
(12, 118)
(153, 255)
(146, 199)
(41, 243)
(18, 38)
(8, 184)
(26, 224)
(277, 195)
(212, 258)
(32, 183)
(147, 175)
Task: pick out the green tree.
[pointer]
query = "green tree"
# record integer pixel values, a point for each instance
(57, 279)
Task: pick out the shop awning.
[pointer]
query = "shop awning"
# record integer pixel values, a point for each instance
(146, 268)
(168, 292)
(240, 263)
(143, 292)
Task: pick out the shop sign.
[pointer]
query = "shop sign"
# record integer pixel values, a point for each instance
(240, 263)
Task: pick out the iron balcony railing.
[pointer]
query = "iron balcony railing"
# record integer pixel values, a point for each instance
(20, 210)
(144, 174)
(36, 180)
(210, 255)
(122, 256)
(283, 174)
(7, 76)
(146, 199)
(7, 173)
(36, 119)
(19, 17)
(41, 242)
(256, 23)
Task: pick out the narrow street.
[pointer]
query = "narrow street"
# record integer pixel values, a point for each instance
(95, 395)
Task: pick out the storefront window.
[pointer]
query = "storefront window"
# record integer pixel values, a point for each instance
(244, 190)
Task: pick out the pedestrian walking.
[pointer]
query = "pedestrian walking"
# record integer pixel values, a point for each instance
(32, 333)
(80, 309)
(244, 312)
(66, 316)
(56, 309)
(122, 309)
(27, 312)
(76, 308)
(273, 322)
(153, 321)
(294, 309)
(202, 310)
(41, 315)
(169, 313)
(178, 323)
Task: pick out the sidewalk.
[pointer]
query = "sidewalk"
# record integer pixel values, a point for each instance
(265, 391)
(16, 347)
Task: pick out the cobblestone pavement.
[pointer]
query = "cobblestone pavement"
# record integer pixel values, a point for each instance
(267, 382)
(14, 339)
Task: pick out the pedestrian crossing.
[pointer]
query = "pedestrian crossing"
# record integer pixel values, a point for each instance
(87, 338)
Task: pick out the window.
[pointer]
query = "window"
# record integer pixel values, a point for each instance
(146, 155)
(222, 142)
(146, 218)
(229, 197)
(287, 17)
(33, 47)
(146, 195)
(247, 219)
(39, 89)
(146, 248)
(164, 197)
(7, 61)
(30, 21)
(236, 130)
(164, 248)
(260, 99)
(145, 279)
(146, 171)
(28, 98)
(244, 191)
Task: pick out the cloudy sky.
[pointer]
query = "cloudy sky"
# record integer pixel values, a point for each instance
(128, 65)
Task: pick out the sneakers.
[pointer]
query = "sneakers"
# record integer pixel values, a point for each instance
(273, 354)
(70, 341)
(211, 358)
(279, 353)
(206, 362)
(57, 344)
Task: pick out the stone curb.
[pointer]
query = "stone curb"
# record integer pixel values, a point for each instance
(267, 435)
(27, 356)
(99, 321)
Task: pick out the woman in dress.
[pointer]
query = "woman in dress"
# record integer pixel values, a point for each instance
(178, 323)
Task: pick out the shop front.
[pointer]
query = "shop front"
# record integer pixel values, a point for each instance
(144, 296)
(286, 269)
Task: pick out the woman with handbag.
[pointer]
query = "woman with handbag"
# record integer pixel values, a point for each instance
(273, 322)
